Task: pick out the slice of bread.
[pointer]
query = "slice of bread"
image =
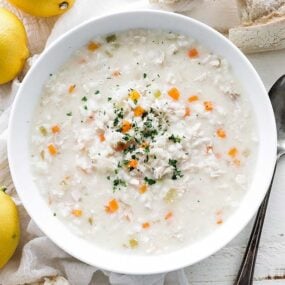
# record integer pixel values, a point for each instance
(262, 25)
(257, 10)
(252, 25)
(259, 37)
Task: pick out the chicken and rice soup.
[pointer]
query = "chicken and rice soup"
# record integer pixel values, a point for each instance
(143, 142)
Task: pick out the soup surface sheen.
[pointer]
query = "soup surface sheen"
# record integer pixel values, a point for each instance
(143, 142)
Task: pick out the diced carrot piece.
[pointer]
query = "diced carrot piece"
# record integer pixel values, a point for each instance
(102, 137)
(208, 106)
(233, 152)
(92, 46)
(133, 163)
(221, 133)
(77, 213)
(174, 93)
(145, 225)
(134, 95)
(52, 149)
(112, 206)
(168, 216)
(116, 73)
(55, 129)
(143, 188)
(126, 126)
(193, 52)
(138, 111)
(219, 221)
(71, 88)
(193, 98)
(187, 112)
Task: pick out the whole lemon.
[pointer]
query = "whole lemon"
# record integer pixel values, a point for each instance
(13, 46)
(43, 8)
(9, 228)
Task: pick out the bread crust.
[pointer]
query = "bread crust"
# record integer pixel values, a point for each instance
(259, 37)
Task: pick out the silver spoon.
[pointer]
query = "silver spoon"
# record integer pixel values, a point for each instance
(277, 97)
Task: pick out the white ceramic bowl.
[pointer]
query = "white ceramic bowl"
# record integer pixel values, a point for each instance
(28, 97)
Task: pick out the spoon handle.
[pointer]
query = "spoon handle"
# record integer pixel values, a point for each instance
(245, 275)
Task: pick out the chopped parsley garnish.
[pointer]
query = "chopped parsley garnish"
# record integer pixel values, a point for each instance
(109, 99)
(119, 115)
(144, 75)
(172, 162)
(176, 172)
(146, 159)
(131, 148)
(149, 181)
(111, 38)
(84, 99)
(116, 122)
(175, 139)
(119, 112)
(69, 114)
(144, 115)
(127, 137)
(96, 92)
(117, 183)
(148, 124)
(85, 107)
(150, 133)
(136, 138)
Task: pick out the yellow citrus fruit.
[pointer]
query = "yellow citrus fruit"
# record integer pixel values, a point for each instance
(43, 8)
(9, 228)
(13, 46)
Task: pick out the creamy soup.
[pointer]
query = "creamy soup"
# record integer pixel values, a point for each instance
(143, 142)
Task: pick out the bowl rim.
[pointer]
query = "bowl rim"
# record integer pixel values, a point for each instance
(151, 264)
